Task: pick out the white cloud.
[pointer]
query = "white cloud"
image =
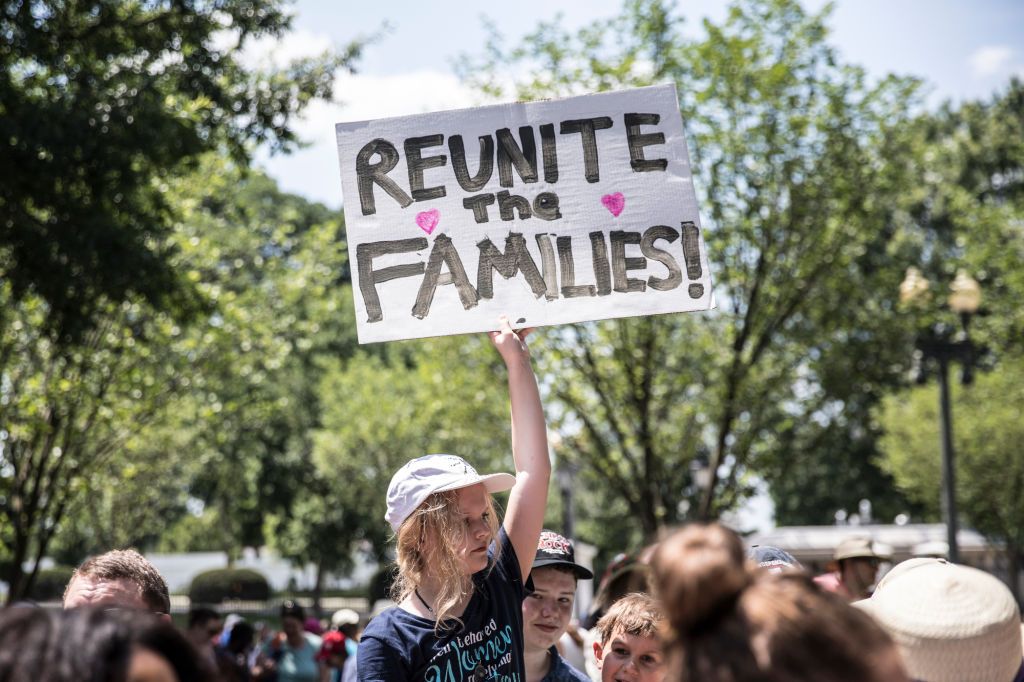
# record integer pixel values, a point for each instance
(313, 171)
(367, 97)
(990, 60)
(268, 52)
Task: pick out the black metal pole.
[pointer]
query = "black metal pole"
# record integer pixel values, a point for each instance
(948, 469)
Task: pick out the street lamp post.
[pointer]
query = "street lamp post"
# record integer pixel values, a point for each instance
(943, 345)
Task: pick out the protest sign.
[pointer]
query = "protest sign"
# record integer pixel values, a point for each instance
(548, 212)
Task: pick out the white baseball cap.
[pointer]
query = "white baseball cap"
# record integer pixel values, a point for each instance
(344, 617)
(952, 623)
(422, 477)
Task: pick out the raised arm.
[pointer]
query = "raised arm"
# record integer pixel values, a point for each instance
(528, 500)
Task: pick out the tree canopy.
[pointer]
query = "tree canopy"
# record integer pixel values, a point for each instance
(100, 105)
(800, 159)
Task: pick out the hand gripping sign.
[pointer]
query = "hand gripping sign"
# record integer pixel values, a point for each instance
(548, 212)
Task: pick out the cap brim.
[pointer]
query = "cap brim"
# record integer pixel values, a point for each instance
(857, 555)
(580, 572)
(493, 483)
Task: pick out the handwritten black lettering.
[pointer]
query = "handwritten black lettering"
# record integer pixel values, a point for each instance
(369, 173)
(443, 253)
(370, 278)
(416, 164)
(586, 127)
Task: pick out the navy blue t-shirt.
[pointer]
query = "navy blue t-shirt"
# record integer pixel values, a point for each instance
(561, 671)
(399, 646)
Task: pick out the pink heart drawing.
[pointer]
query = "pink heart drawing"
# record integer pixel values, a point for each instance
(614, 203)
(427, 220)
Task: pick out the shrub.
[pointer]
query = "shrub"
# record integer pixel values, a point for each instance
(50, 583)
(213, 587)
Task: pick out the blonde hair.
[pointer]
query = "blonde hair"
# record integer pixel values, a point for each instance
(427, 543)
(635, 614)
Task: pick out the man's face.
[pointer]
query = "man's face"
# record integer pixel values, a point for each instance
(629, 658)
(547, 610)
(859, 575)
(109, 594)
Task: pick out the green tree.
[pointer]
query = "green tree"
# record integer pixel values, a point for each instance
(66, 411)
(988, 427)
(969, 205)
(129, 498)
(800, 160)
(106, 438)
(276, 267)
(443, 395)
(99, 105)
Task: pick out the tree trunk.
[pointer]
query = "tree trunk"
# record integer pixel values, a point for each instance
(18, 587)
(15, 582)
(318, 588)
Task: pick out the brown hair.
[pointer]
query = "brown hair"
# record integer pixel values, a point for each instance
(128, 565)
(730, 621)
(635, 614)
(89, 644)
(427, 543)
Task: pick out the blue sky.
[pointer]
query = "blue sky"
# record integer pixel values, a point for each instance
(962, 49)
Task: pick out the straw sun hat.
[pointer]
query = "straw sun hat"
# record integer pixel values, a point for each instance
(951, 623)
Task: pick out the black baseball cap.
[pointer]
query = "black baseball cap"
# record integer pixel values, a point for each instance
(556, 550)
(772, 558)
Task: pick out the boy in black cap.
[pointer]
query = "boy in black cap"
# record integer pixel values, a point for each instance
(548, 609)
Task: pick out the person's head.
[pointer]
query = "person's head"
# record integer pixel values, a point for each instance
(240, 639)
(857, 563)
(628, 645)
(730, 621)
(204, 624)
(950, 622)
(547, 610)
(118, 579)
(313, 626)
(624, 574)
(773, 559)
(347, 622)
(444, 519)
(332, 649)
(92, 645)
(293, 618)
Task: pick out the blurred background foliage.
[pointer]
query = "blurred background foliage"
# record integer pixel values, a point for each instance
(178, 362)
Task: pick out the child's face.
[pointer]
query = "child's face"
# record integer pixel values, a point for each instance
(629, 658)
(475, 510)
(547, 610)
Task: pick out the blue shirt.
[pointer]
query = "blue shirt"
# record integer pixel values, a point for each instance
(296, 665)
(561, 671)
(399, 646)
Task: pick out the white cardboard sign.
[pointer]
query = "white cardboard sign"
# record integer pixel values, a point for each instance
(548, 212)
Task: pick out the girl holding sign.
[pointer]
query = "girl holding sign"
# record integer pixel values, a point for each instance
(461, 574)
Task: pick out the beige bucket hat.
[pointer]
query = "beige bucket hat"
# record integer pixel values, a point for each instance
(951, 623)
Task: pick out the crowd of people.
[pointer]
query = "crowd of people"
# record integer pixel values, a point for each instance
(478, 597)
